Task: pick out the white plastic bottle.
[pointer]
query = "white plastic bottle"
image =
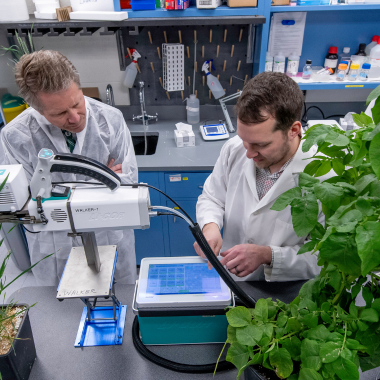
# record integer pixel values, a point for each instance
(192, 107)
(306, 73)
(268, 62)
(131, 70)
(279, 63)
(371, 45)
(213, 83)
(293, 64)
(375, 61)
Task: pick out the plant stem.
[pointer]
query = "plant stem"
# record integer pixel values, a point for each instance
(345, 335)
(342, 287)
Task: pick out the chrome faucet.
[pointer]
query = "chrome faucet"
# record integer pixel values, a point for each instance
(144, 117)
(109, 96)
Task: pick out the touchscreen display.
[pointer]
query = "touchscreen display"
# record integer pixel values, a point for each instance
(182, 278)
(212, 130)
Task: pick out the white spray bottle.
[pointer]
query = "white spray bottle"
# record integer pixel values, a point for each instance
(212, 82)
(131, 70)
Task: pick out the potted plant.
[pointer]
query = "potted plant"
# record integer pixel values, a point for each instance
(322, 333)
(17, 350)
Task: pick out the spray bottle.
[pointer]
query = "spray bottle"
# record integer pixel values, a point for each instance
(212, 82)
(131, 70)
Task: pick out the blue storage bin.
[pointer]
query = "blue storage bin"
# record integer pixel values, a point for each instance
(142, 5)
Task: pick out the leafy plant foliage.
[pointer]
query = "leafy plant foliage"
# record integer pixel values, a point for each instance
(322, 334)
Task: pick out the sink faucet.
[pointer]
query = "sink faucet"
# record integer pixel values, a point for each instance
(144, 117)
(109, 96)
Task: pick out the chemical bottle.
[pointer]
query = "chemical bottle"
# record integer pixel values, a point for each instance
(375, 61)
(341, 72)
(345, 56)
(306, 73)
(212, 82)
(331, 60)
(268, 62)
(348, 63)
(371, 45)
(361, 50)
(192, 107)
(131, 70)
(354, 71)
(363, 75)
(279, 63)
(293, 64)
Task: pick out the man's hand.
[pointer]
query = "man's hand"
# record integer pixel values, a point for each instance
(117, 168)
(214, 239)
(244, 259)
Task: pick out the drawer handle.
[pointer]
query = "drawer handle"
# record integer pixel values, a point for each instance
(200, 186)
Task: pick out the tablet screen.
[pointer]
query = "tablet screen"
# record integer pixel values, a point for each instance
(182, 278)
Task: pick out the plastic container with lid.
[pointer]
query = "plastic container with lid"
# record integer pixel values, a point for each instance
(363, 75)
(375, 61)
(279, 63)
(131, 70)
(293, 64)
(192, 107)
(13, 10)
(371, 45)
(125, 4)
(268, 62)
(46, 6)
(306, 73)
(98, 5)
(331, 60)
(354, 72)
(341, 72)
(12, 106)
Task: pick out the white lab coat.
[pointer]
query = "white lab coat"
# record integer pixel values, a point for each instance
(230, 200)
(105, 136)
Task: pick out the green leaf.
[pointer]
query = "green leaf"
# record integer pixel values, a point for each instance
(238, 355)
(293, 325)
(268, 330)
(335, 279)
(309, 374)
(326, 317)
(307, 303)
(348, 221)
(281, 360)
(304, 214)
(307, 247)
(310, 320)
(361, 120)
(337, 139)
(338, 166)
(282, 318)
(328, 194)
(362, 326)
(374, 154)
(239, 316)
(367, 295)
(285, 199)
(369, 315)
(368, 240)
(364, 206)
(367, 363)
(319, 333)
(347, 186)
(293, 345)
(354, 310)
(323, 169)
(231, 334)
(329, 352)
(363, 182)
(249, 335)
(353, 344)
(310, 354)
(317, 232)
(376, 111)
(307, 181)
(345, 369)
(340, 249)
(312, 167)
(376, 305)
(315, 135)
(261, 310)
(373, 95)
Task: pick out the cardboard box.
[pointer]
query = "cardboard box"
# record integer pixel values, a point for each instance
(242, 3)
(184, 138)
(280, 2)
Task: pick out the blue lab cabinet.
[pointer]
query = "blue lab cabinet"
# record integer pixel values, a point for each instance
(169, 235)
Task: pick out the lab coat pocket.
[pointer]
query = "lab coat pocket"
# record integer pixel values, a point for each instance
(284, 235)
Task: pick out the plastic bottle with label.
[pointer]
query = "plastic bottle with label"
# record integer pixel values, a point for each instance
(268, 62)
(331, 60)
(213, 82)
(306, 73)
(371, 45)
(192, 107)
(354, 72)
(375, 61)
(363, 75)
(279, 63)
(293, 64)
(346, 57)
(341, 72)
(131, 70)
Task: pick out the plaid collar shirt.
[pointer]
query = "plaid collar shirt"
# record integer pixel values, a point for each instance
(265, 179)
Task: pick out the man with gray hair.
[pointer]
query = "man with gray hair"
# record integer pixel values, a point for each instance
(62, 119)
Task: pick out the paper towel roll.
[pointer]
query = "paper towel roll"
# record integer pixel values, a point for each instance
(15, 10)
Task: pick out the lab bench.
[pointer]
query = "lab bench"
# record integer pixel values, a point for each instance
(179, 172)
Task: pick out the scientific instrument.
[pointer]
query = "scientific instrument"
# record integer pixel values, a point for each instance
(222, 102)
(214, 132)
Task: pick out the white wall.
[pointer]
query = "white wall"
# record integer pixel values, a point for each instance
(95, 57)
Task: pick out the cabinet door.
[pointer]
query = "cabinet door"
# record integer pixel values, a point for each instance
(181, 238)
(150, 242)
(185, 184)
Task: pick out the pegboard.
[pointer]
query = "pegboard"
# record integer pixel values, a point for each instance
(224, 36)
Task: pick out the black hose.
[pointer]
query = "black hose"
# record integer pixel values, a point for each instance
(177, 367)
(205, 247)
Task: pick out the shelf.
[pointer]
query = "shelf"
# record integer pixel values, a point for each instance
(319, 8)
(337, 86)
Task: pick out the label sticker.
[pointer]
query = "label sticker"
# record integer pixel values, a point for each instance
(185, 179)
(175, 178)
(176, 208)
(2, 171)
(354, 85)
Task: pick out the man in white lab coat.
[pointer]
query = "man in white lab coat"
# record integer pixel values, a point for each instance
(252, 171)
(62, 119)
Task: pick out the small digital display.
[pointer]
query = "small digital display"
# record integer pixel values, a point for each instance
(212, 130)
(182, 279)
(59, 189)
